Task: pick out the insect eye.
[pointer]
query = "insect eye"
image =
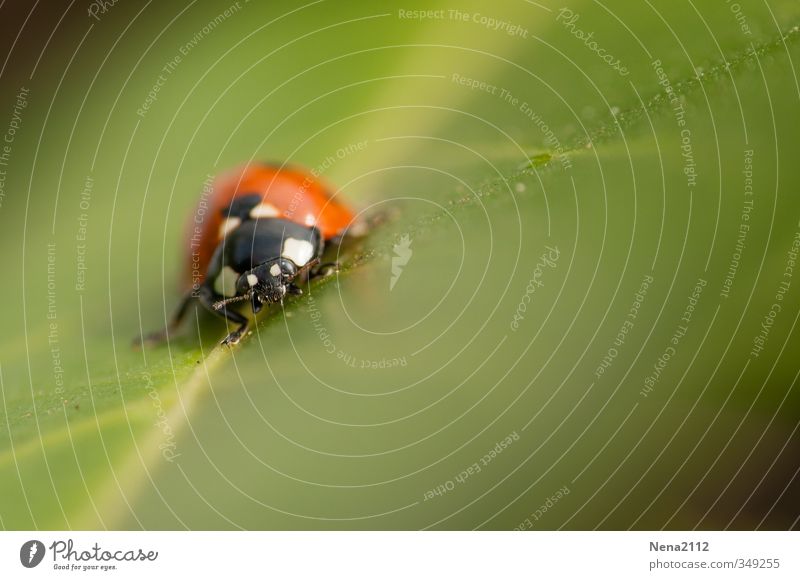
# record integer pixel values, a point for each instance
(288, 269)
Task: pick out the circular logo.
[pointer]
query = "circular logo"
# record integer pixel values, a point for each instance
(31, 553)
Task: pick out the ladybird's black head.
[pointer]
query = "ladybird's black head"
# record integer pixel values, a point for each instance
(268, 282)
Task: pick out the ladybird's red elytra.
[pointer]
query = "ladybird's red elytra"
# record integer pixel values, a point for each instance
(258, 234)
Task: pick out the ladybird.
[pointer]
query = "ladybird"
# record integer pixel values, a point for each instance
(253, 191)
(254, 237)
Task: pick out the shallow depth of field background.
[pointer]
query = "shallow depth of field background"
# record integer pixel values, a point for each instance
(593, 322)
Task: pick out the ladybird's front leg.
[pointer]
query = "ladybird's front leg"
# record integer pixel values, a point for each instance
(156, 338)
(235, 336)
(208, 299)
(324, 270)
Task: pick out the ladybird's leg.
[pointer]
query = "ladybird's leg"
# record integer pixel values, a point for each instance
(294, 290)
(155, 338)
(235, 336)
(314, 273)
(208, 299)
(303, 276)
(319, 269)
(353, 233)
(324, 270)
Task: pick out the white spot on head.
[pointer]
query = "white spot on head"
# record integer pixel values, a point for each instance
(310, 220)
(252, 279)
(275, 270)
(225, 284)
(298, 251)
(228, 226)
(264, 210)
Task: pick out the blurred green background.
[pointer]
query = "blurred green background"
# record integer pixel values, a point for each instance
(554, 211)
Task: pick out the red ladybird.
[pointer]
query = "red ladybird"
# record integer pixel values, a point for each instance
(261, 229)
(266, 191)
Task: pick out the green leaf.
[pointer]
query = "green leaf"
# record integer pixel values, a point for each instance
(557, 326)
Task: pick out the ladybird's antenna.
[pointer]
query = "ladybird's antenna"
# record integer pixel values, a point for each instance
(307, 267)
(219, 305)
